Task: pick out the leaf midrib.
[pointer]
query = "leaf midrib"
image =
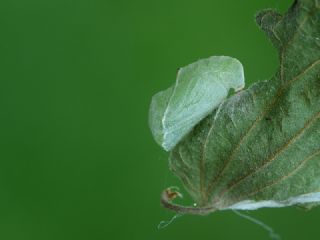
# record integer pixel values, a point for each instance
(257, 120)
(274, 100)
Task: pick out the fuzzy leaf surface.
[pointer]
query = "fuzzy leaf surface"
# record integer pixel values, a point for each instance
(261, 146)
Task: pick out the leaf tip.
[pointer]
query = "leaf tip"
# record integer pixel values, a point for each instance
(267, 20)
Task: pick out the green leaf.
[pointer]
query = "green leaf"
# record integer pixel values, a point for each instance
(261, 147)
(199, 89)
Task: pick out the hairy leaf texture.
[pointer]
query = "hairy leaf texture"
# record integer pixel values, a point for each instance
(261, 146)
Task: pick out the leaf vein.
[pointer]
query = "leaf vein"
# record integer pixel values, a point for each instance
(255, 123)
(202, 159)
(274, 156)
(291, 173)
(281, 179)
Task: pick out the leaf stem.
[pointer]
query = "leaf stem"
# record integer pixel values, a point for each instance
(166, 201)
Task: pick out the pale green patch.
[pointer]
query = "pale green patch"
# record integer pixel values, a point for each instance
(200, 87)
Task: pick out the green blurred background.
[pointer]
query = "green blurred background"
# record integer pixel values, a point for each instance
(77, 157)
